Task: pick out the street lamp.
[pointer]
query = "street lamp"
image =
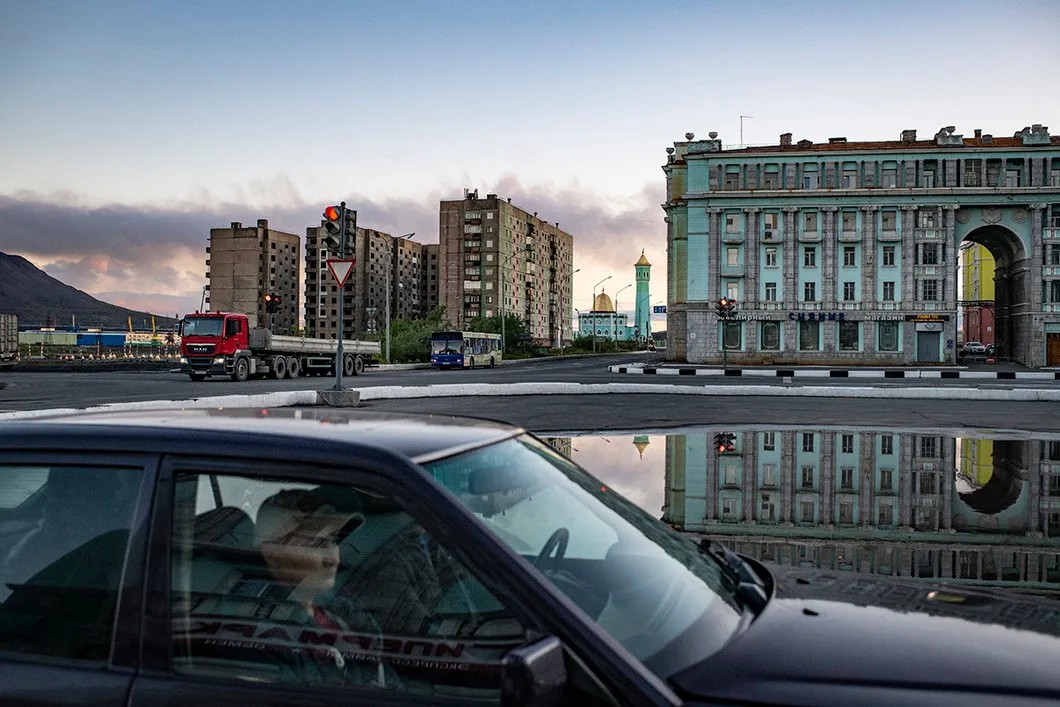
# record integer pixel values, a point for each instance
(389, 268)
(593, 310)
(559, 329)
(615, 316)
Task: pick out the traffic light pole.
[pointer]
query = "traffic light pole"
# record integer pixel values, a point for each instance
(339, 354)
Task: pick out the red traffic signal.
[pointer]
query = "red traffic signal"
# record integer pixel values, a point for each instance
(333, 213)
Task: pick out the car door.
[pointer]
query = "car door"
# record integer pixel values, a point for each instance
(300, 584)
(73, 532)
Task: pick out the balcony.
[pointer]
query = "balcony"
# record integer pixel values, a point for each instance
(730, 237)
(1051, 234)
(732, 271)
(848, 306)
(849, 237)
(772, 235)
(888, 236)
(809, 236)
(472, 284)
(928, 270)
(927, 232)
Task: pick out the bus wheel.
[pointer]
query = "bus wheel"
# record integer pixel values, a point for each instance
(492, 362)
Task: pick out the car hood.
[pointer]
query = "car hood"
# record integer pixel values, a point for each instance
(836, 636)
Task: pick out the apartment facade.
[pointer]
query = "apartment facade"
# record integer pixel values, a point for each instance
(846, 252)
(385, 264)
(244, 263)
(495, 258)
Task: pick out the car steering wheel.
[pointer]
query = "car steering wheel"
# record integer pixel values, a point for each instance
(558, 542)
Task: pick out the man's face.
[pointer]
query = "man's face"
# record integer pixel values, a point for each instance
(307, 553)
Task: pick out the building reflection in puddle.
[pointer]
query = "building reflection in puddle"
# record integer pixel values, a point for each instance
(912, 504)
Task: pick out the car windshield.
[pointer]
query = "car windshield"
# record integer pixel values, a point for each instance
(652, 590)
(447, 346)
(202, 326)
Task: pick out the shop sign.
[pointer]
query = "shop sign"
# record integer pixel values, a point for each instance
(884, 317)
(754, 318)
(921, 318)
(817, 316)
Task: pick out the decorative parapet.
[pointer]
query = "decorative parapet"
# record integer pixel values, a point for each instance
(1036, 134)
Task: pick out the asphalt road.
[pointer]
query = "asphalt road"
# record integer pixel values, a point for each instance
(28, 390)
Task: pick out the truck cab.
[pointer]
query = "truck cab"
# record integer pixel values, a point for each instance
(211, 343)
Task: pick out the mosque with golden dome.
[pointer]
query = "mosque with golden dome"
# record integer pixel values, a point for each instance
(607, 323)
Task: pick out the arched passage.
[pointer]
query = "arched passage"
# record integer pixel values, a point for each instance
(1013, 301)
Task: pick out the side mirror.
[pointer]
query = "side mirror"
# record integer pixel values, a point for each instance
(534, 674)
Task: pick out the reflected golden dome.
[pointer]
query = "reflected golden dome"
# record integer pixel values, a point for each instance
(603, 303)
(642, 261)
(641, 443)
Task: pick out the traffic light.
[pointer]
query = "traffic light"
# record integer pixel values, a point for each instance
(333, 222)
(272, 302)
(725, 442)
(725, 308)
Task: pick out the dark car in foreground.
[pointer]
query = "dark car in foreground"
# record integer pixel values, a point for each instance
(319, 557)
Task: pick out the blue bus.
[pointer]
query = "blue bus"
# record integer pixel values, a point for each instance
(465, 349)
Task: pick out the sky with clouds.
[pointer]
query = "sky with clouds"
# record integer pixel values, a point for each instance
(128, 129)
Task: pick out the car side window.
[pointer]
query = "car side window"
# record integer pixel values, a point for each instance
(231, 327)
(64, 532)
(327, 585)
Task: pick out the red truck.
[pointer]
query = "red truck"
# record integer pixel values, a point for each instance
(224, 344)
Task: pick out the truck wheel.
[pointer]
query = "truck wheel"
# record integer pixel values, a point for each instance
(279, 368)
(293, 369)
(197, 377)
(241, 371)
(348, 366)
(358, 366)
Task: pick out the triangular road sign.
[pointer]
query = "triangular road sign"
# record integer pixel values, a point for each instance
(341, 268)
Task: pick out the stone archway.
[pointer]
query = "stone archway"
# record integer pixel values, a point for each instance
(1015, 300)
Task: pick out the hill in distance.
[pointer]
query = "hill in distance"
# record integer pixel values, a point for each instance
(40, 300)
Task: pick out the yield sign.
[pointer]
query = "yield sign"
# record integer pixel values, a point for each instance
(341, 268)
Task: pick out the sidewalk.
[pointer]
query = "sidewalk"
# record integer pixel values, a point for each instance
(955, 372)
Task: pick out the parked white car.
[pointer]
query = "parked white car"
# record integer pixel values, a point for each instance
(975, 348)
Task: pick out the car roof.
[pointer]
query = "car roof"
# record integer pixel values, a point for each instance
(419, 437)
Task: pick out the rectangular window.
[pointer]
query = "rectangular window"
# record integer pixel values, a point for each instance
(807, 477)
(732, 223)
(769, 474)
(973, 173)
(730, 476)
(888, 291)
(928, 447)
(1054, 290)
(728, 507)
(886, 479)
(809, 222)
(849, 256)
(850, 221)
(806, 511)
(809, 256)
(846, 478)
(931, 291)
(888, 256)
(850, 179)
(886, 444)
(1054, 178)
(771, 257)
(1054, 255)
(807, 441)
(65, 537)
(1012, 178)
(926, 219)
(846, 443)
(769, 221)
(809, 292)
(886, 514)
(846, 512)
(769, 441)
(732, 257)
(809, 336)
(771, 292)
(887, 336)
(732, 290)
(733, 336)
(889, 221)
(927, 180)
(769, 338)
(732, 181)
(810, 180)
(929, 253)
(849, 293)
(889, 179)
(849, 336)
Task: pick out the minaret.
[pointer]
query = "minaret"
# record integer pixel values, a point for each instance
(642, 315)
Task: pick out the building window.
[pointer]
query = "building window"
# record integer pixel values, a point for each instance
(1012, 178)
(850, 221)
(810, 222)
(846, 478)
(887, 336)
(927, 219)
(846, 512)
(809, 256)
(928, 447)
(1054, 255)
(771, 292)
(888, 291)
(728, 507)
(769, 474)
(732, 290)
(1054, 290)
(807, 441)
(886, 444)
(733, 336)
(769, 221)
(849, 336)
(732, 223)
(732, 257)
(770, 336)
(807, 477)
(850, 179)
(930, 291)
(769, 441)
(886, 514)
(847, 443)
(809, 291)
(732, 180)
(889, 179)
(973, 173)
(809, 336)
(927, 179)
(929, 254)
(849, 256)
(888, 221)
(810, 180)
(730, 476)
(886, 479)
(771, 257)
(848, 292)
(888, 256)
(806, 511)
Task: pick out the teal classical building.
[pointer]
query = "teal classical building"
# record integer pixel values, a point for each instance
(846, 252)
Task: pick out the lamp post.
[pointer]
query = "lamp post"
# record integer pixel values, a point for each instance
(593, 310)
(614, 317)
(559, 329)
(389, 268)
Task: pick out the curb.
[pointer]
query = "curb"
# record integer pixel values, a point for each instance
(835, 373)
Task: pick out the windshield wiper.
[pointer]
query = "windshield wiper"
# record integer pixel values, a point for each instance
(747, 585)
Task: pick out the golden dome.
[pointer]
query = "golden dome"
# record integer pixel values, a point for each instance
(642, 261)
(603, 303)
